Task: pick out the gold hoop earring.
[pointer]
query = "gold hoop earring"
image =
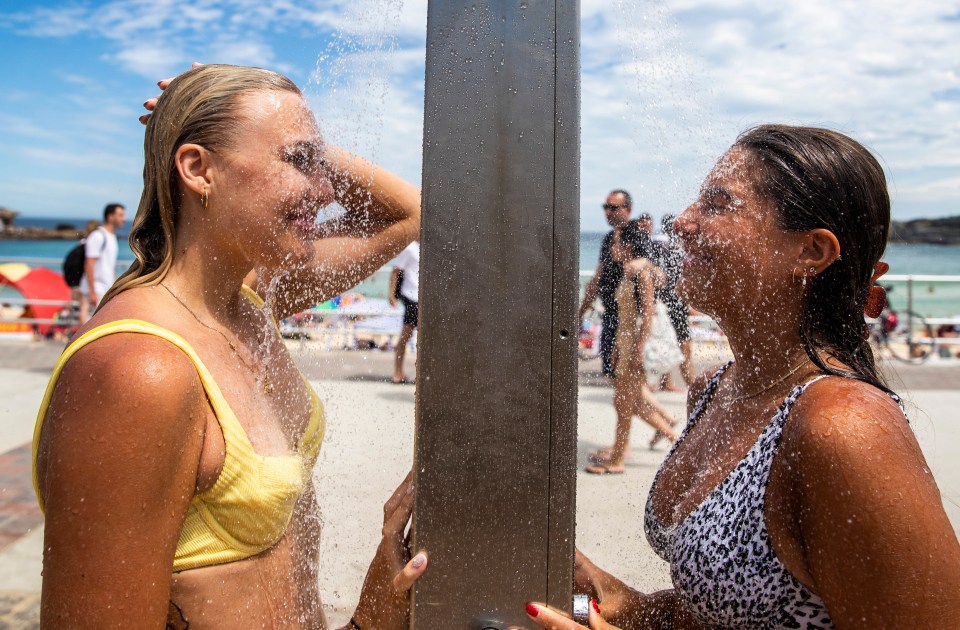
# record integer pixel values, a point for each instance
(205, 199)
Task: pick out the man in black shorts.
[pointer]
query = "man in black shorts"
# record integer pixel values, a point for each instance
(607, 277)
(405, 286)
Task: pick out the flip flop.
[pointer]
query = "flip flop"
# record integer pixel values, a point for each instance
(603, 469)
(404, 381)
(602, 456)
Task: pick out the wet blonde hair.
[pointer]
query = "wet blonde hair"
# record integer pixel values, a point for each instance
(201, 106)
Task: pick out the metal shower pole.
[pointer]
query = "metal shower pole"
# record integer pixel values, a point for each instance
(496, 373)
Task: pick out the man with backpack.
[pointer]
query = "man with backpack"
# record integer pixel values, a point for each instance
(100, 250)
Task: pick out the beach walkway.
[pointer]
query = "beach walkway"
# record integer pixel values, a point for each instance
(369, 448)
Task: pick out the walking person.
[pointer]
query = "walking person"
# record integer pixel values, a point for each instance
(405, 287)
(606, 278)
(670, 256)
(644, 340)
(100, 260)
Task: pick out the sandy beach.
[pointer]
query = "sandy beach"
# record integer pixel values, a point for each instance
(369, 447)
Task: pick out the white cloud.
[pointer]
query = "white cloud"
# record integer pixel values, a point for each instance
(874, 72)
(149, 59)
(665, 88)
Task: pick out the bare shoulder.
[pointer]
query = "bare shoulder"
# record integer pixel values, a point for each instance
(123, 368)
(850, 442)
(843, 414)
(129, 391)
(867, 510)
(638, 266)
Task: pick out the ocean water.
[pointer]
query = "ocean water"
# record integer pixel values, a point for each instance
(932, 299)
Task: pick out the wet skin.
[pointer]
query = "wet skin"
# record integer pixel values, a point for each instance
(849, 484)
(851, 507)
(130, 437)
(276, 588)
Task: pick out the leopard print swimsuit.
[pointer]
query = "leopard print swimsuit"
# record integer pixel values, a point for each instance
(722, 563)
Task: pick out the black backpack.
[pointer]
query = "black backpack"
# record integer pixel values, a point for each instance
(74, 262)
(73, 265)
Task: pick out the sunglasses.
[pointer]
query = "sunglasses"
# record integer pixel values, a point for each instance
(612, 207)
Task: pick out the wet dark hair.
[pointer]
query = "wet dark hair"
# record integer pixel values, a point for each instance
(639, 241)
(627, 199)
(819, 178)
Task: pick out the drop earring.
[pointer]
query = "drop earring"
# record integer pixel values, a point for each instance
(205, 199)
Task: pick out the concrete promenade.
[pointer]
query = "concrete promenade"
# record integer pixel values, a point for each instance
(369, 448)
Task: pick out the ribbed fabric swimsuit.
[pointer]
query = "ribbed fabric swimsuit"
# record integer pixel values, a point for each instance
(249, 506)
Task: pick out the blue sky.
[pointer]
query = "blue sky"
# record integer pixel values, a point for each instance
(666, 87)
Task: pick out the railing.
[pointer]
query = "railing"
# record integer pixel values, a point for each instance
(349, 325)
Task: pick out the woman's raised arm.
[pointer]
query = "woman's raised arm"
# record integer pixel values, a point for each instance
(382, 217)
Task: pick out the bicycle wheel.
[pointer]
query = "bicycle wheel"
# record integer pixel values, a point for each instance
(913, 341)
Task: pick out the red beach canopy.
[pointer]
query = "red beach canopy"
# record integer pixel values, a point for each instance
(36, 283)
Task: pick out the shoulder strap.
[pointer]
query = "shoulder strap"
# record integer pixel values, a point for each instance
(708, 391)
(210, 386)
(251, 295)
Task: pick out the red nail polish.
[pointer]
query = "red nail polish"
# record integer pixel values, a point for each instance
(532, 610)
(595, 605)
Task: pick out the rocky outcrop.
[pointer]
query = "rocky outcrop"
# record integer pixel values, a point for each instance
(945, 231)
(62, 233)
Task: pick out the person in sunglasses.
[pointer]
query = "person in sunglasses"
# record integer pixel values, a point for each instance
(606, 278)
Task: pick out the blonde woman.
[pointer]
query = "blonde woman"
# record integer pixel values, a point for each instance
(175, 444)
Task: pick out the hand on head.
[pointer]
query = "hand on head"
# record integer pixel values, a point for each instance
(151, 103)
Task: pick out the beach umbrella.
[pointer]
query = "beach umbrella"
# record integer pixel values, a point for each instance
(36, 283)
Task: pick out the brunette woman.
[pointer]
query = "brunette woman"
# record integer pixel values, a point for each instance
(797, 496)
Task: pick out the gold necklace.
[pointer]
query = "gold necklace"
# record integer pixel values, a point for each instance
(267, 387)
(743, 397)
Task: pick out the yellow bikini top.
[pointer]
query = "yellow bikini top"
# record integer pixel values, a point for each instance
(249, 506)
